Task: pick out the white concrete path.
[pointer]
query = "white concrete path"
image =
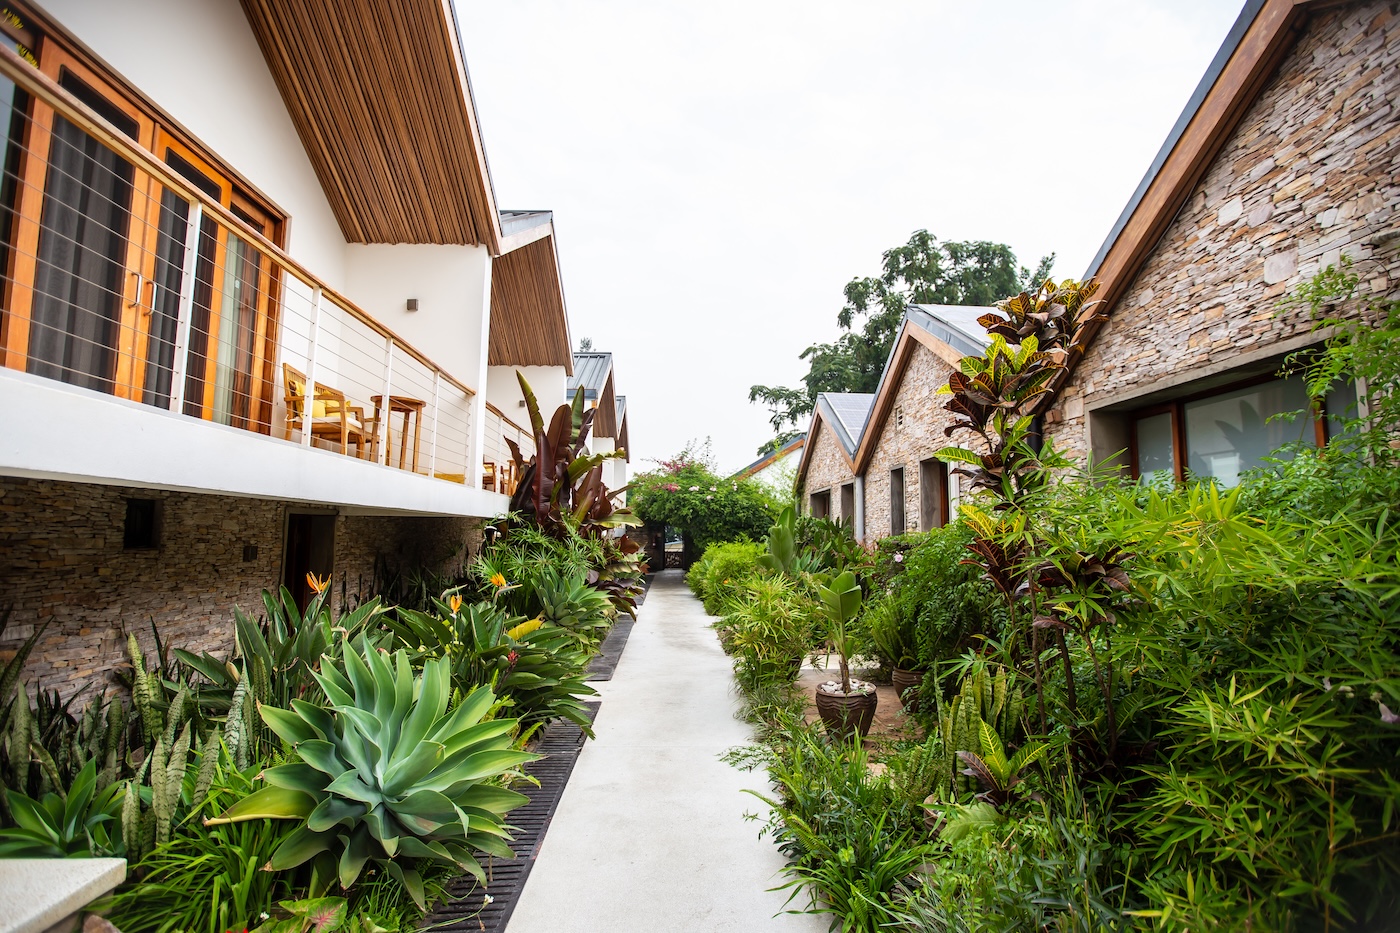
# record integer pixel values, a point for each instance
(650, 835)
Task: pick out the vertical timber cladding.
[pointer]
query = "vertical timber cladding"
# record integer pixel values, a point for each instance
(64, 562)
(1311, 173)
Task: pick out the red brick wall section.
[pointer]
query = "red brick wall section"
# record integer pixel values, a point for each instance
(1312, 173)
(62, 561)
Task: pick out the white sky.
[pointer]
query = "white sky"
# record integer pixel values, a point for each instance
(719, 170)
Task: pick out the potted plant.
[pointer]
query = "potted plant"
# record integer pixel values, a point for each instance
(847, 707)
(893, 635)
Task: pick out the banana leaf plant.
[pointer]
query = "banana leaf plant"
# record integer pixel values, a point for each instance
(388, 774)
(561, 487)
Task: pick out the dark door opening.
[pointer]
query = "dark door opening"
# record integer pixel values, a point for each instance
(310, 550)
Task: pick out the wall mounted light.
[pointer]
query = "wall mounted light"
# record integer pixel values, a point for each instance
(413, 304)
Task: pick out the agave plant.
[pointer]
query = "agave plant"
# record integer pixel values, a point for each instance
(572, 604)
(387, 774)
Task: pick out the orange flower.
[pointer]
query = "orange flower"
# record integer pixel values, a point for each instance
(316, 583)
(454, 603)
(498, 580)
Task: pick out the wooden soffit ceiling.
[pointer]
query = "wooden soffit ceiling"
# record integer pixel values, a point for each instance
(529, 323)
(379, 94)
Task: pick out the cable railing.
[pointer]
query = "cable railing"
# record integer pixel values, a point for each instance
(158, 282)
(499, 470)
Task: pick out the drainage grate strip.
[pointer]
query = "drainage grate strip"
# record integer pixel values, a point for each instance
(604, 664)
(467, 907)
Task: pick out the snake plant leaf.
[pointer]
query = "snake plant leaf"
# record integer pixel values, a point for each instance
(271, 803)
(296, 776)
(334, 811)
(290, 727)
(300, 845)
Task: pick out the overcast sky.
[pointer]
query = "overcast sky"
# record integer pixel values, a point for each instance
(719, 170)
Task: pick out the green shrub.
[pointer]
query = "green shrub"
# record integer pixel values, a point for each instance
(719, 570)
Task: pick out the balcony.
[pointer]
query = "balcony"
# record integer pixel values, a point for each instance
(158, 285)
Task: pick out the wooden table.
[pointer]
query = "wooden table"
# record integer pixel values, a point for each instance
(412, 411)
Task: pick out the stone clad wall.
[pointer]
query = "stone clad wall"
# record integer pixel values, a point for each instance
(827, 469)
(921, 435)
(62, 561)
(1312, 173)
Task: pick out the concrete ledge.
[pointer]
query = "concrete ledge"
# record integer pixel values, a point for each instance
(37, 895)
(51, 430)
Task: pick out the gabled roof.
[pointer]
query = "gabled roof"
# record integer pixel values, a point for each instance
(591, 370)
(769, 459)
(529, 317)
(1263, 34)
(950, 332)
(846, 412)
(594, 372)
(380, 96)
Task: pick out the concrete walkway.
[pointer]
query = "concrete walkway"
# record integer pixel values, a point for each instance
(650, 835)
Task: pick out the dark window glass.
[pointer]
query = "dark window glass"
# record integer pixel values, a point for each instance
(142, 529)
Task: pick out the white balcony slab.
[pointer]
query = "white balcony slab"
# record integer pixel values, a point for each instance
(50, 430)
(39, 894)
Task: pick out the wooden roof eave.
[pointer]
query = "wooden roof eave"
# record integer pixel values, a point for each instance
(910, 336)
(529, 318)
(1220, 103)
(420, 175)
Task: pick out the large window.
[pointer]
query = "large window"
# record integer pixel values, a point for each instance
(1223, 433)
(821, 504)
(93, 251)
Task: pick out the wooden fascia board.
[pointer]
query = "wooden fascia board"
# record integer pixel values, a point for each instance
(1270, 36)
(940, 349)
(884, 398)
(510, 244)
(491, 223)
(605, 408)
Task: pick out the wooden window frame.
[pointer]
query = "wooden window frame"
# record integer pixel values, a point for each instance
(1177, 408)
(54, 49)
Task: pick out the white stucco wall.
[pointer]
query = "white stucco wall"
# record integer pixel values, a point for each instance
(198, 60)
(503, 390)
(780, 475)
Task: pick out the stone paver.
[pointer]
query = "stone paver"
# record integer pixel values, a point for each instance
(650, 834)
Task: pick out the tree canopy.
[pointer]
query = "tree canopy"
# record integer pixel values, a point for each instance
(686, 494)
(922, 271)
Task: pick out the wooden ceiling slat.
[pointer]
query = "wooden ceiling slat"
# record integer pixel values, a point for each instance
(376, 93)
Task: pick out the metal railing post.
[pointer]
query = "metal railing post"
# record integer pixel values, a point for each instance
(313, 335)
(386, 410)
(186, 312)
(432, 439)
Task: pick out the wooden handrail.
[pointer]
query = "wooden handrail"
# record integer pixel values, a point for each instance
(502, 415)
(35, 82)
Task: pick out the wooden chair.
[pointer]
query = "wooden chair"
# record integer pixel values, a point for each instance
(488, 476)
(332, 417)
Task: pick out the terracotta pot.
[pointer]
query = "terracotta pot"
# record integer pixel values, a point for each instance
(845, 716)
(906, 686)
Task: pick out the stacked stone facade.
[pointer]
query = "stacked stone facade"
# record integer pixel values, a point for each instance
(908, 443)
(63, 562)
(1311, 174)
(827, 470)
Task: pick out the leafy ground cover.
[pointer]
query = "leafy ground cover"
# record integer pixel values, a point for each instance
(331, 770)
(1143, 707)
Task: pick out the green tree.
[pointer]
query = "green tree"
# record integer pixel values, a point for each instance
(685, 493)
(922, 271)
